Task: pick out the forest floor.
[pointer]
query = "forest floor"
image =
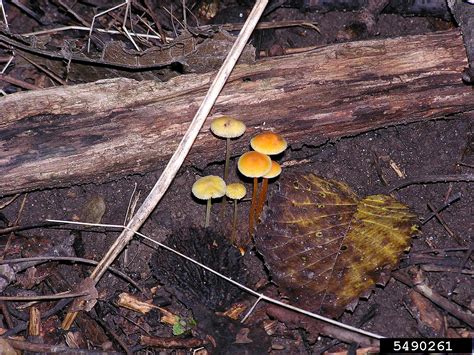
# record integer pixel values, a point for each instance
(368, 163)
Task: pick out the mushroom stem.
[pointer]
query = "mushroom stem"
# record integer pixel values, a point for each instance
(234, 224)
(261, 199)
(252, 207)
(208, 213)
(227, 159)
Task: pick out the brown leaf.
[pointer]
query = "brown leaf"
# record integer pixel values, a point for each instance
(324, 246)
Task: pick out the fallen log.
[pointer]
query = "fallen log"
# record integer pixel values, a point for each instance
(111, 128)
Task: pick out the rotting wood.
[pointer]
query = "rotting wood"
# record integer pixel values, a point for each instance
(111, 128)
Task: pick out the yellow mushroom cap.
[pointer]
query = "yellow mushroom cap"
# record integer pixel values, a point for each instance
(235, 191)
(209, 187)
(268, 143)
(227, 127)
(275, 170)
(254, 164)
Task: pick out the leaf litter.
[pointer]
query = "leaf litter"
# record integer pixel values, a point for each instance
(324, 246)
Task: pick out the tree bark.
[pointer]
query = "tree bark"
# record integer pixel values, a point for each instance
(111, 128)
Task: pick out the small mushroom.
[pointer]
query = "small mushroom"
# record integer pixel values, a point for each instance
(273, 173)
(227, 127)
(268, 143)
(207, 188)
(254, 165)
(235, 191)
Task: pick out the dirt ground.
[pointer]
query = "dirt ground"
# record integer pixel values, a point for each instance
(366, 162)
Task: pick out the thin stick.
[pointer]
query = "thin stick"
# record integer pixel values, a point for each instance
(6, 65)
(42, 259)
(101, 30)
(181, 151)
(4, 15)
(98, 15)
(250, 310)
(431, 179)
(58, 296)
(245, 288)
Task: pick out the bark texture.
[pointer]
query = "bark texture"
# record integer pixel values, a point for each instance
(110, 128)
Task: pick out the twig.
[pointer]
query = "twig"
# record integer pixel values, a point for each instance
(73, 13)
(441, 220)
(466, 165)
(21, 228)
(270, 25)
(42, 259)
(127, 9)
(235, 283)
(6, 65)
(431, 179)
(181, 151)
(28, 11)
(460, 268)
(6, 314)
(6, 203)
(420, 286)
(21, 327)
(156, 21)
(18, 82)
(58, 296)
(172, 343)
(43, 69)
(434, 212)
(112, 333)
(4, 15)
(439, 268)
(80, 28)
(50, 349)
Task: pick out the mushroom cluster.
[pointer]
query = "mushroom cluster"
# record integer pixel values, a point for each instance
(255, 164)
(264, 144)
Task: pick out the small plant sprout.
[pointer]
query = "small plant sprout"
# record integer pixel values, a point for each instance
(273, 173)
(227, 127)
(207, 188)
(235, 191)
(254, 165)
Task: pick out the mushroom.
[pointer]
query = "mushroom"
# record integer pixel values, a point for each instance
(274, 172)
(207, 188)
(235, 191)
(268, 143)
(254, 165)
(227, 127)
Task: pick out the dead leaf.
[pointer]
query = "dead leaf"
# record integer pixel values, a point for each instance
(242, 336)
(93, 210)
(324, 246)
(88, 301)
(429, 318)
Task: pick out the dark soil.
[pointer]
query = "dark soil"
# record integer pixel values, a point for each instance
(434, 148)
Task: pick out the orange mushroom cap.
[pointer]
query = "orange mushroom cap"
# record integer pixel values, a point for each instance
(254, 164)
(268, 143)
(275, 170)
